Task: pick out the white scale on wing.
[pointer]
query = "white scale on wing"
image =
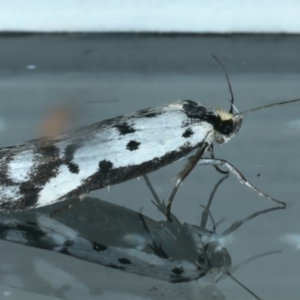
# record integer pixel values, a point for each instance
(10, 192)
(20, 167)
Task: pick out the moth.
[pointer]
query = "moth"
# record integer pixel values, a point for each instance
(44, 171)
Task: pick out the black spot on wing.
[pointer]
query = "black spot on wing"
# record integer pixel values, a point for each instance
(99, 247)
(124, 128)
(69, 156)
(125, 261)
(73, 168)
(105, 166)
(177, 271)
(189, 132)
(133, 145)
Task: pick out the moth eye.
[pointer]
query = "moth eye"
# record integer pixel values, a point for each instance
(219, 139)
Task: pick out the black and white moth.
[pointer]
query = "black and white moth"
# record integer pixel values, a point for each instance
(44, 171)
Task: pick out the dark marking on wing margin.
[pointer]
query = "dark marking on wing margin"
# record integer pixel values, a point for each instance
(105, 166)
(124, 128)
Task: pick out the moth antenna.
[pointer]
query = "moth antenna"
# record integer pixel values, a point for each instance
(234, 107)
(242, 285)
(228, 82)
(266, 106)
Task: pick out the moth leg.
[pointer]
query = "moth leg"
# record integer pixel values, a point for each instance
(239, 176)
(211, 152)
(192, 162)
(160, 204)
(79, 199)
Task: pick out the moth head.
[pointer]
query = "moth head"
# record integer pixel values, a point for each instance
(214, 257)
(227, 126)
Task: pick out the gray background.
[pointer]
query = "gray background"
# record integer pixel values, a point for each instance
(102, 76)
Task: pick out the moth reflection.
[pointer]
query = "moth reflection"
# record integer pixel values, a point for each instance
(119, 238)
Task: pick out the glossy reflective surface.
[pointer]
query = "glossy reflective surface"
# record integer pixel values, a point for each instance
(104, 76)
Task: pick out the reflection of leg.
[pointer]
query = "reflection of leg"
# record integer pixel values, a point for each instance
(157, 202)
(206, 213)
(160, 204)
(157, 248)
(239, 175)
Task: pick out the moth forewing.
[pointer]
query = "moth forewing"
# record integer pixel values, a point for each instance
(44, 171)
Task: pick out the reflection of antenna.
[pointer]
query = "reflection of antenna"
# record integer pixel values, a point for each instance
(233, 269)
(242, 285)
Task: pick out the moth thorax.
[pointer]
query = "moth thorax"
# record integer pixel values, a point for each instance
(223, 114)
